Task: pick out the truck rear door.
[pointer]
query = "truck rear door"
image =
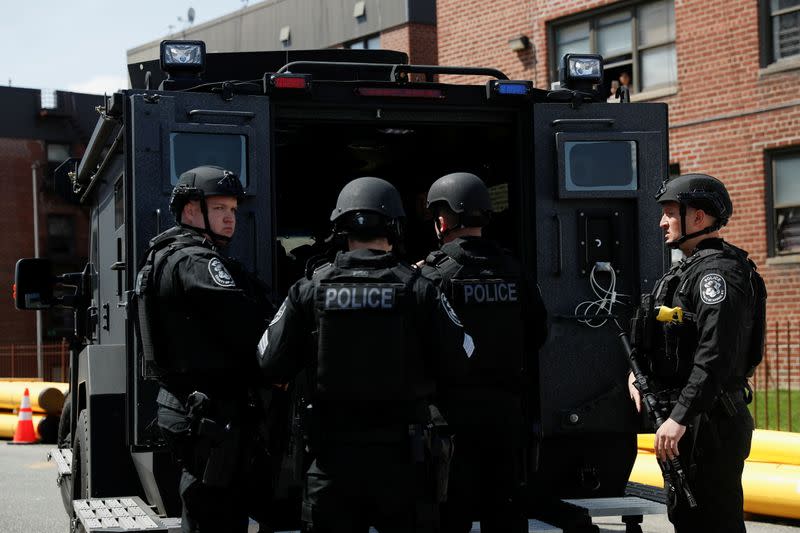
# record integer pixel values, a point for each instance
(599, 246)
(170, 133)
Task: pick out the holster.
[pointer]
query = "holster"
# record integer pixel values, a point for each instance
(223, 453)
(219, 443)
(643, 325)
(432, 447)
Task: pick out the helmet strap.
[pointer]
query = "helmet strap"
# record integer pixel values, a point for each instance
(684, 237)
(218, 239)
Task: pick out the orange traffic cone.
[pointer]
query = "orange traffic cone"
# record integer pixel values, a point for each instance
(25, 434)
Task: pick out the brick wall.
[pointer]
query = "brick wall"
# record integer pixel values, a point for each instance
(16, 218)
(475, 33)
(417, 40)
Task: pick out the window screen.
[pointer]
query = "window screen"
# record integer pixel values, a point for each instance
(600, 166)
(191, 150)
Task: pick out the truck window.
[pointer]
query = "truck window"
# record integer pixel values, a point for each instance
(600, 166)
(190, 150)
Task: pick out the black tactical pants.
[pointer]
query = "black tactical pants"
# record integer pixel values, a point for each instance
(352, 487)
(484, 478)
(212, 508)
(722, 445)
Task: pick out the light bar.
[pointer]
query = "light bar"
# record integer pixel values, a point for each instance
(400, 93)
(581, 70)
(183, 56)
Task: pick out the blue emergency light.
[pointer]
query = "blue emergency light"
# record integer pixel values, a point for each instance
(495, 88)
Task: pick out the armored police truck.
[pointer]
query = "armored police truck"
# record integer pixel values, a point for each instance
(571, 179)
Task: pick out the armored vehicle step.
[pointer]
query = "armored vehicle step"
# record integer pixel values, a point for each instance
(121, 515)
(62, 457)
(630, 508)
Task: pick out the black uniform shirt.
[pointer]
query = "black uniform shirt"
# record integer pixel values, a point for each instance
(711, 346)
(285, 348)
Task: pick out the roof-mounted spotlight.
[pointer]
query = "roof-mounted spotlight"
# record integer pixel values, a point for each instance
(182, 62)
(581, 72)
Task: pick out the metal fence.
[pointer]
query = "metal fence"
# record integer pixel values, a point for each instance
(776, 381)
(19, 361)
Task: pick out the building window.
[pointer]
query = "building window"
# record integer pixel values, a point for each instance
(783, 180)
(60, 236)
(780, 30)
(637, 44)
(373, 42)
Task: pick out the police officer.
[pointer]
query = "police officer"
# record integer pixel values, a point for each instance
(701, 360)
(379, 335)
(200, 316)
(487, 407)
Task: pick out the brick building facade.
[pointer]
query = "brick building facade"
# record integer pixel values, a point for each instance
(40, 132)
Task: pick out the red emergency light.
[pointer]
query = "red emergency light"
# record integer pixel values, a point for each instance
(291, 81)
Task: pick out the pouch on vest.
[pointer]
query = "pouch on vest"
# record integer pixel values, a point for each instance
(361, 354)
(145, 323)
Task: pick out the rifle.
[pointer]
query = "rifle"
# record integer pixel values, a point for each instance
(671, 469)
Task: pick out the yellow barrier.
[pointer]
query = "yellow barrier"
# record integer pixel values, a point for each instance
(768, 446)
(46, 397)
(769, 488)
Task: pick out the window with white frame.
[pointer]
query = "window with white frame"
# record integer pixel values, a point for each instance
(637, 43)
(783, 180)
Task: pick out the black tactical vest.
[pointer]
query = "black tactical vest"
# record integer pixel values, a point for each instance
(368, 353)
(681, 338)
(170, 340)
(487, 293)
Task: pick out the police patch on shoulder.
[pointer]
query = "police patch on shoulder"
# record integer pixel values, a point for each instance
(219, 274)
(280, 312)
(712, 289)
(451, 313)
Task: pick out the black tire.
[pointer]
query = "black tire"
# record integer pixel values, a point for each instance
(64, 434)
(79, 482)
(80, 458)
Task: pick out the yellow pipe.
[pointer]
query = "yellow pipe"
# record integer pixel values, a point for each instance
(768, 446)
(8, 424)
(46, 397)
(769, 488)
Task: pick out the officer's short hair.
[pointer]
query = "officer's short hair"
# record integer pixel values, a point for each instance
(470, 219)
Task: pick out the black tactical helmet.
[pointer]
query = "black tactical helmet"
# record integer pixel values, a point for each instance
(369, 207)
(462, 192)
(201, 182)
(198, 184)
(699, 191)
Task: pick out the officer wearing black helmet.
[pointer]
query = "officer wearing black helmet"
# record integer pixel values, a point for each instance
(701, 361)
(200, 313)
(373, 336)
(489, 407)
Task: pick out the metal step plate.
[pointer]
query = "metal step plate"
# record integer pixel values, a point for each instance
(624, 506)
(62, 457)
(118, 515)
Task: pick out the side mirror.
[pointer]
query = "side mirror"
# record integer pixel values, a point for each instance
(33, 284)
